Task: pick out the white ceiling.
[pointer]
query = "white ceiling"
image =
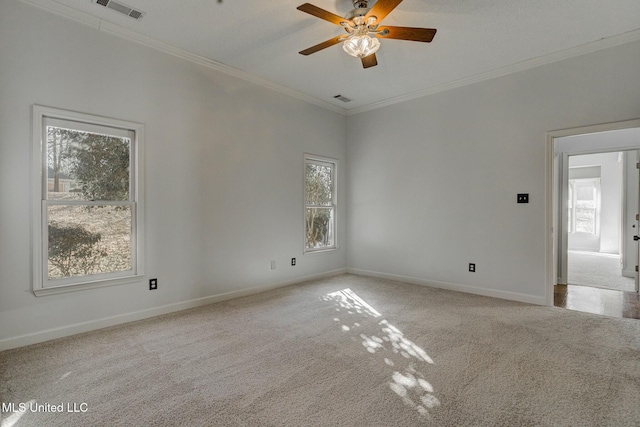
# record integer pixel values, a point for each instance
(476, 39)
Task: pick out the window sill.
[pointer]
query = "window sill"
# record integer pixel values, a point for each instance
(61, 289)
(322, 251)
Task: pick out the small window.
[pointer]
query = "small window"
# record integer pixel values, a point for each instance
(583, 205)
(87, 230)
(320, 203)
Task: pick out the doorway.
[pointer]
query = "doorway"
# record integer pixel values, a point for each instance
(578, 169)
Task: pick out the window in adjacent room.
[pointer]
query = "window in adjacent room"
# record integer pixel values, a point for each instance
(87, 202)
(320, 203)
(583, 205)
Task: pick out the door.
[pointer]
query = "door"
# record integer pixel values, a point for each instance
(630, 247)
(636, 225)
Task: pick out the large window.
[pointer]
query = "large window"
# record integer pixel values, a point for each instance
(320, 203)
(583, 205)
(87, 182)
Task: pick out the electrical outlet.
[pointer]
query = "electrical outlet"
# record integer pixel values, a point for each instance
(523, 198)
(293, 261)
(273, 265)
(472, 267)
(153, 284)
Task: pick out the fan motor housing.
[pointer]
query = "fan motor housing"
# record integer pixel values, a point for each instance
(360, 11)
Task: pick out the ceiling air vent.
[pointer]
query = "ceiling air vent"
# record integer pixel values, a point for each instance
(121, 8)
(342, 98)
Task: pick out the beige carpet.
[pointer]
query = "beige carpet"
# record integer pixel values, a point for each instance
(345, 351)
(598, 270)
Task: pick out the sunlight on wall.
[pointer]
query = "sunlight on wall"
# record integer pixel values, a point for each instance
(397, 352)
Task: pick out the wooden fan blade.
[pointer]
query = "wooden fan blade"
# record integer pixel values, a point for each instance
(407, 33)
(381, 9)
(369, 61)
(321, 13)
(323, 45)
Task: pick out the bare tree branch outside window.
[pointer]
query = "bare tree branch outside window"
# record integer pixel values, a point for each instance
(319, 205)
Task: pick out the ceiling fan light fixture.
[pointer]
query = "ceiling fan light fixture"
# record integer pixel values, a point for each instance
(360, 46)
(362, 25)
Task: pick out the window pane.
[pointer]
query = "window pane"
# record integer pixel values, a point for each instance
(319, 184)
(585, 220)
(87, 166)
(319, 225)
(585, 204)
(585, 191)
(86, 240)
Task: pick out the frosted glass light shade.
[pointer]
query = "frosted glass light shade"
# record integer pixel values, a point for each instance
(361, 46)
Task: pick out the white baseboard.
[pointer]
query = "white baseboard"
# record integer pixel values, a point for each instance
(511, 296)
(92, 325)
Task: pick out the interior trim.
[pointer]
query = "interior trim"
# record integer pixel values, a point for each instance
(604, 43)
(111, 28)
(108, 27)
(91, 325)
(494, 293)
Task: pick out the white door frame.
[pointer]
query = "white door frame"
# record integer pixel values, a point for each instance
(554, 157)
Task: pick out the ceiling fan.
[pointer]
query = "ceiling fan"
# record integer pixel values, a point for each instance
(362, 25)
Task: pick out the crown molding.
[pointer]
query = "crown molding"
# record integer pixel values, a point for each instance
(114, 29)
(110, 28)
(603, 43)
(65, 11)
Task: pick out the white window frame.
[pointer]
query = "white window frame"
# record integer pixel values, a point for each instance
(41, 283)
(571, 205)
(333, 163)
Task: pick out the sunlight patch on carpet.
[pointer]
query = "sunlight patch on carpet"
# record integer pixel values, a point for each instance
(350, 301)
(397, 351)
(15, 416)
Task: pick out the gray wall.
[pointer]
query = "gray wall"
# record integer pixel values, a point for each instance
(224, 172)
(433, 181)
